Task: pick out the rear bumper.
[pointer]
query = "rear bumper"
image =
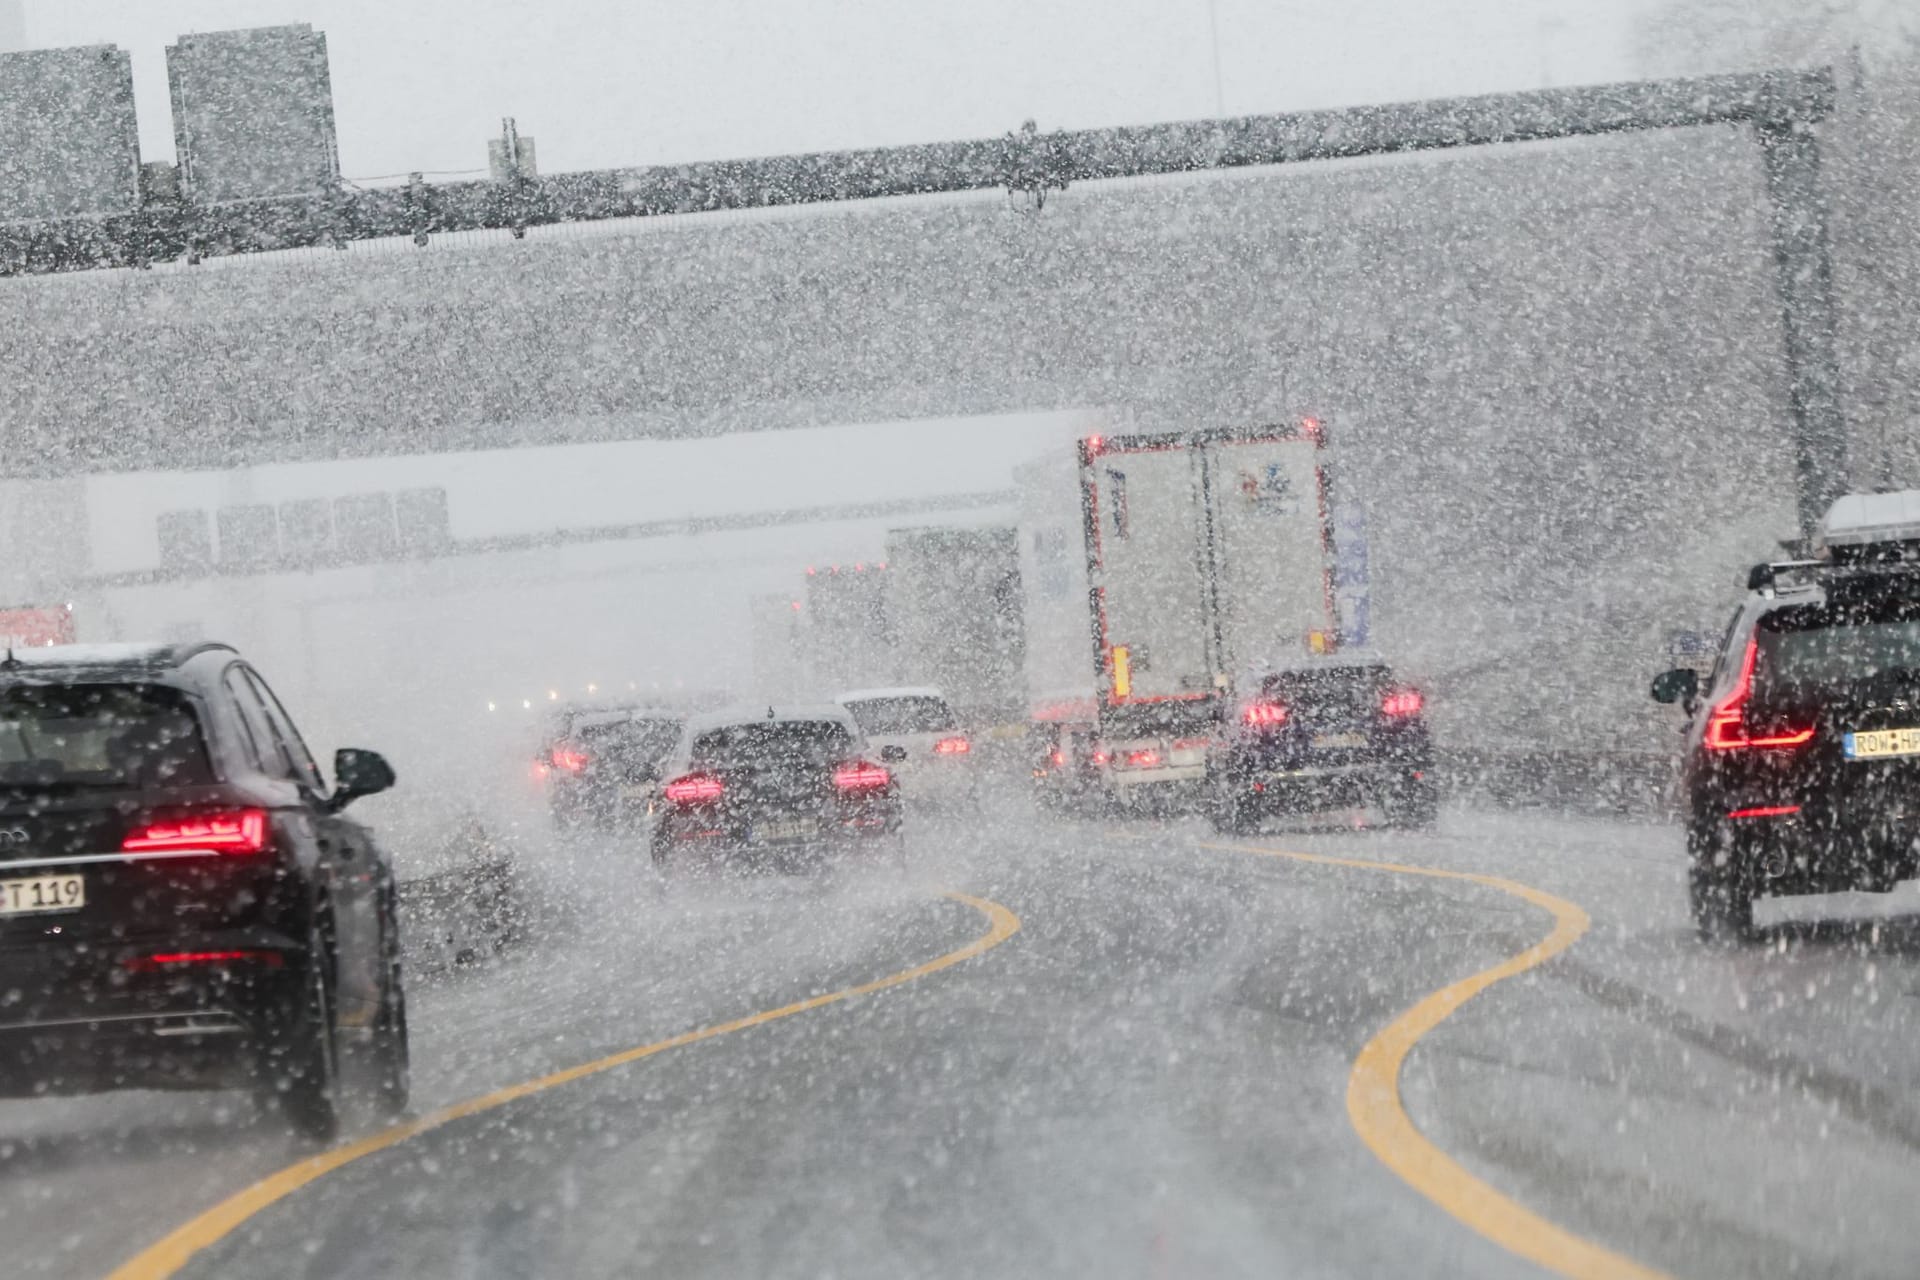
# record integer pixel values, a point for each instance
(85, 1028)
(736, 846)
(1311, 786)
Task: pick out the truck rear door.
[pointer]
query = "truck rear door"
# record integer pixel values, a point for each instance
(1149, 572)
(1271, 546)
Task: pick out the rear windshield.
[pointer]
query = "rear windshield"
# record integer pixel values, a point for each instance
(1838, 646)
(916, 714)
(644, 741)
(99, 735)
(1330, 687)
(773, 742)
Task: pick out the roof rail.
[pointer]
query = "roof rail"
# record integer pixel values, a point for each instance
(186, 652)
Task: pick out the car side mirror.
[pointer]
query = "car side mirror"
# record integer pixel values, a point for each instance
(358, 772)
(1681, 684)
(893, 755)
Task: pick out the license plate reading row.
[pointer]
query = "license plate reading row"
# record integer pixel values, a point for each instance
(42, 893)
(1879, 744)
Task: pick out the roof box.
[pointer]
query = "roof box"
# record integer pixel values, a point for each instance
(1870, 526)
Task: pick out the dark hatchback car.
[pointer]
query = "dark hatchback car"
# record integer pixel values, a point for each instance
(1330, 732)
(1802, 764)
(182, 902)
(598, 762)
(785, 788)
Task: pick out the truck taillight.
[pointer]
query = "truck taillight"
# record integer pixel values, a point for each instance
(1727, 722)
(1147, 759)
(952, 747)
(236, 831)
(1400, 703)
(861, 776)
(694, 788)
(569, 758)
(1265, 715)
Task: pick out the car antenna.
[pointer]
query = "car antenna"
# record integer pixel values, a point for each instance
(770, 714)
(10, 662)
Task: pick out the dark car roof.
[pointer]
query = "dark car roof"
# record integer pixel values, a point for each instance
(102, 662)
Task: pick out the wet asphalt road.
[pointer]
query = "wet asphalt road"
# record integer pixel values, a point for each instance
(1148, 1079)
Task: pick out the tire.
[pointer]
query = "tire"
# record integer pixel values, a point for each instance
(391, 1054)
(1412, 806)
(1232, 814)
(310, 1099)
(1719, 888)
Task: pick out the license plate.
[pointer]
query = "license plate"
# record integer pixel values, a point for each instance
(42, 893)
(1879, 744)
(796, 830)
(1338, 741)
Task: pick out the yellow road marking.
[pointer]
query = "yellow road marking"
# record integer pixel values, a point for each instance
(167, 1255)
(1380, 1118)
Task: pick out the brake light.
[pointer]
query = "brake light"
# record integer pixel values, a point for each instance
(952, 747)
(1766, 811)
(1402, 702)
(695, 788)
(572, 759)
(1143, 759)
(1102, 757)
(1265, 715)
(1727, 723)
(241, 831)
(176, 959)
(861, 776)
(1059, 758)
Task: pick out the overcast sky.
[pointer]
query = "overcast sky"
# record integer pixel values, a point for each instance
(422, 84)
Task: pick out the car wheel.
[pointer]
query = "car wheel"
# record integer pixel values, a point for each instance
(309, 1096)
(1719, 888)
(1413, 805)
(1232, 813)
(392, 1055)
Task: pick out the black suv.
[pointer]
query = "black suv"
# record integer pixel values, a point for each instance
(1802, 768)
(1329, 732)
(182, 902)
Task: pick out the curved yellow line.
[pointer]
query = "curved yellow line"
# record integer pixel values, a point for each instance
(1379, 1116)
(171, 1252)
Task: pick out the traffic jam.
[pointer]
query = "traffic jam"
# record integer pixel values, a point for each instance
(1317, 688)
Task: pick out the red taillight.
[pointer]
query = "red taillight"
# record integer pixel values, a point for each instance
(1727, 722)
(694, 788)
(952, 747)
(1059, 758)
(1402, 702)
(861, 776)
(1147, 759)
(1766, 811)
(179, 959)
(241, 831)
(1265, 715)
(1102, 757)
(572, 759)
